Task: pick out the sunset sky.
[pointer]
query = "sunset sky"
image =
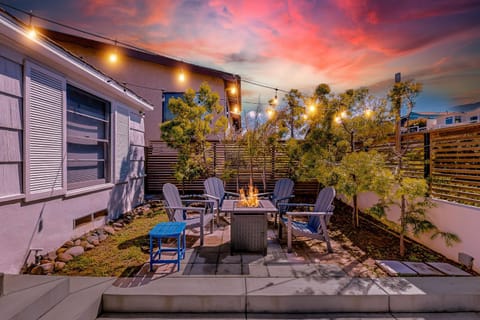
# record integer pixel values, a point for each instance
(299, 44)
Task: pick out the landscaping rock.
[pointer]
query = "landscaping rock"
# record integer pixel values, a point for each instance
(45, 261)
(77, 242)
(75, 251)
(68, 244)
(117, 228)
(118, 224)
(102, 237)
(109, 230)
(64, 257)
(37, 270)
(59, 265)
(51, 256)
(92, 239)
(89, 246)
(61, 250)
(47, 267)
(84, 243)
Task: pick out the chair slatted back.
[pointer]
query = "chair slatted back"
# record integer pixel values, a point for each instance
(172, 197)
(283, 188)
(214, 187)
(324, 203)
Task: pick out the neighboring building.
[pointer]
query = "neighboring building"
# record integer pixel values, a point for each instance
(457, 118)
(420, 121)
(71, 141)
(155, 77)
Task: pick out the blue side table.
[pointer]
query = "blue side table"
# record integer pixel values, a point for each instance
(167, 230)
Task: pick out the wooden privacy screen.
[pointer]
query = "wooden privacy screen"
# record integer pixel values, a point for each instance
(449, 158)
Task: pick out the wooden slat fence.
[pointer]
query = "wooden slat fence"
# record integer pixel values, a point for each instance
(226, 156)
(449, 158)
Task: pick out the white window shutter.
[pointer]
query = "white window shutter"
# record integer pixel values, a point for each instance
(45, 101)
(122, 142)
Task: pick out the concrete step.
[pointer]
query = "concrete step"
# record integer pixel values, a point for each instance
(30, 297)
(83, 301)
(317, 316)
(296, 295)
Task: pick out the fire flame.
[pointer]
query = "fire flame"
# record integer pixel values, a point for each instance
(250, 199)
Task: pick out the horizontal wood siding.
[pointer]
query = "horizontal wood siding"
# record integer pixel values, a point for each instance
(11, 128)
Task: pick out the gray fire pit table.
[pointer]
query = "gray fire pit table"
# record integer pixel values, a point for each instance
(249, 226)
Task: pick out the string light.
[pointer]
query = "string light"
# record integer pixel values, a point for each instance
(368, 113)
(270, 113)
(32, 33)
(181, 76)
(233, 89)
(275, 100)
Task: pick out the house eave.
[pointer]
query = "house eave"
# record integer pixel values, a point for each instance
(55, 56)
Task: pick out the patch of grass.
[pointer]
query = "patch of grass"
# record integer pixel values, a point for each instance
(121, 254)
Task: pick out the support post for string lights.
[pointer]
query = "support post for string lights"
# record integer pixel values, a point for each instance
(398, 119)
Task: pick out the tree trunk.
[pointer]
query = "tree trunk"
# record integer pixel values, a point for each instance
(403, 227)
(356, 223)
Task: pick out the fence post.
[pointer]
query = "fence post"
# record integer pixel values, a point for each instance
(426, 159)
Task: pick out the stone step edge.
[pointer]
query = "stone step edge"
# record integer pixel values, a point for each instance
(34, 302)
(384, 295)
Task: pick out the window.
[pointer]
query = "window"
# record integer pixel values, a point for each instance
(88, 139)
(473, 119)
(458, 119)
(167, 114)
(448, 120)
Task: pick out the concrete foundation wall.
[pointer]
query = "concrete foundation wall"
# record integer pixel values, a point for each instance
(462, 220)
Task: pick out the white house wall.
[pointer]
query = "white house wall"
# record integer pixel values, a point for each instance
(47, 223)
(460, 219)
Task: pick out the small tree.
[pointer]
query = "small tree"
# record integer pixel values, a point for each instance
(409, 194)
(197, 116)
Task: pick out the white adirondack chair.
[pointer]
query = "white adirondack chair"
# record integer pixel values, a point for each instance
(215, 190)
(281, 194)
(177, 210)
(316, 226)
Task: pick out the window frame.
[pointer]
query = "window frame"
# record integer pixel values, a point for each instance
(107, 140)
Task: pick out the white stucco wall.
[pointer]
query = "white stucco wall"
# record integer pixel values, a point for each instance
(460, 219)
(20, 230)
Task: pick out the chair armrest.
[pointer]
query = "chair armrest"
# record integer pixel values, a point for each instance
(293, 205)
(309, 213)
(233, 194)
(211, 197)
(264, 194)
(187, 208)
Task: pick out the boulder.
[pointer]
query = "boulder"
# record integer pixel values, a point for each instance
(109, 230)
(68, 244)
(37, 270)
(59, 265)
(64, 257)
(47, 267)
(92, 239)
(51, 256)
(75, 251)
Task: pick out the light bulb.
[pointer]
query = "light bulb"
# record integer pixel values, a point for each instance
(338, 120)
(32, 34)
(181, 76)
(311, 108)
(343, 115)
(113, 57)
(233, 90)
